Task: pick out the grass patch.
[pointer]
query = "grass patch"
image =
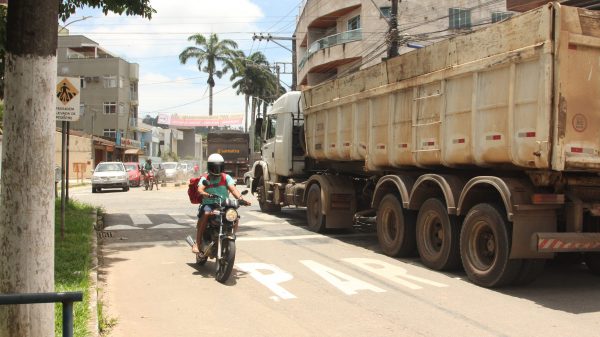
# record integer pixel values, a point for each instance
(72, 261)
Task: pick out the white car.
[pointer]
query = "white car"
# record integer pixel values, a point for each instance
(111, 174)
(172, 171)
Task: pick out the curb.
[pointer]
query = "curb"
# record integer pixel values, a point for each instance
(93, 326)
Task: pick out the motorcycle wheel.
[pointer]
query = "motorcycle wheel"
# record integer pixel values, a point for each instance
(146, 185)
(225, 264)
(151, 185)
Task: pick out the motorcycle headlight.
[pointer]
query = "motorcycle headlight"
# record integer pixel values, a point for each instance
(231, 215)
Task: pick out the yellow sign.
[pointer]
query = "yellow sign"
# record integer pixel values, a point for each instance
(67, 95)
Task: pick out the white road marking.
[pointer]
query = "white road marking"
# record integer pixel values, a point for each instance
(391, 272)
(182, 218)
(168, 226)
(345, 283)
(120, 227)
(276, 238)
(270, 280)
(260, 223)
(140, 219)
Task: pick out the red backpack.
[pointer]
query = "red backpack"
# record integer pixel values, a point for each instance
(194, 195)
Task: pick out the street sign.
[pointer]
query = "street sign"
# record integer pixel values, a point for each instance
(67, 99)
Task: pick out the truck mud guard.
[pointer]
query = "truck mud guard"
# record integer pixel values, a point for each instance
(338, 199)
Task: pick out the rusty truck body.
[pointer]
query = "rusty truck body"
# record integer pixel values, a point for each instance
(482, 150)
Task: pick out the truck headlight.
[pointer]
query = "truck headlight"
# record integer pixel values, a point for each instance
(231, 215)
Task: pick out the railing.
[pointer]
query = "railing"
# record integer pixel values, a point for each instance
(66, 299)
(329, 41)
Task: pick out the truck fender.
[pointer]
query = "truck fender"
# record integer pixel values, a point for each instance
(511, 191)
(259, 169)
(449, 185)
(390, 184)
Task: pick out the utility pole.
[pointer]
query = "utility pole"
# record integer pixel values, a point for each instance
(270, 37)
(392, 35)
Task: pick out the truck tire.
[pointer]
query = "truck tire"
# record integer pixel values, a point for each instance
(265, 206)
(438, 236)
(530, 270)
(395, 228)
(592, 261)
(485, 242)
(314, 205)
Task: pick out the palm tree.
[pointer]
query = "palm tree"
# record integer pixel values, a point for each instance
(208, 53)
(248, 76)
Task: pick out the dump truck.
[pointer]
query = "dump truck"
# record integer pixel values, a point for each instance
(480, 151)
(234, 147)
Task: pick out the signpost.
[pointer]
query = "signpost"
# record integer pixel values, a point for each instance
(67, 110)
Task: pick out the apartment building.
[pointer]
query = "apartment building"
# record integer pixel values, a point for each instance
(334, 37)
(109, 92)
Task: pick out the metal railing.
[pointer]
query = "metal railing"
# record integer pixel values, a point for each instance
(66, 299)
(329, 41)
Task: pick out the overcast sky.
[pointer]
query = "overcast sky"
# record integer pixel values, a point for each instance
(166, 86)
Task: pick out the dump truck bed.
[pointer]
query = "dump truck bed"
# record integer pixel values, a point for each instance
(522, 93)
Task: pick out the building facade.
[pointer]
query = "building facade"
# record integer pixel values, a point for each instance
(335, 37)
(109, 91)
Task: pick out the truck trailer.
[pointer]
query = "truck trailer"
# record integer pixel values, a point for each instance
(480, 151)
(234, 147)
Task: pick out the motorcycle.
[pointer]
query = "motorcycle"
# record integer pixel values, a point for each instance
(219, 237)
(149, 181)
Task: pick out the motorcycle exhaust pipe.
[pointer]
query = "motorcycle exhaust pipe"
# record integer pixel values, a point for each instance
(190, 241)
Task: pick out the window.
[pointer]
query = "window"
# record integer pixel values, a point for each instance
(120, 81)
(385, 11)
(354, 23)
(499, 16)
(459, 18)
(121, 108)
(81, 109)
(110, 81)
(272, 127)
(81, 82)
(112, 133)
(110, 107)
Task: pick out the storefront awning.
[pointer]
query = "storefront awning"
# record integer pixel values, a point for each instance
(134, 151)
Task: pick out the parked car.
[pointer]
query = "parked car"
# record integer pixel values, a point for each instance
(135, 175)
(173, 171)
(159, 173)
(110, 175)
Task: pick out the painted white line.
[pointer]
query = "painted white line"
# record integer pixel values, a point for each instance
(120, 227)
(140, 219)
(277, 238)
(261, 223)
(168, 226)
(182, 218)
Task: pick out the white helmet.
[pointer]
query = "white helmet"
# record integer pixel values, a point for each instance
(216, 164)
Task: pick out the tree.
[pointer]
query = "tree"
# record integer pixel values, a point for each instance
(27, 210)
(247, 73)
(208, 53)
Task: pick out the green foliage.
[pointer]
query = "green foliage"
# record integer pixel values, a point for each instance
(72, 261)
(127, 7)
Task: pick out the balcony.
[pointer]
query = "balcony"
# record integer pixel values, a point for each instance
(330, 41)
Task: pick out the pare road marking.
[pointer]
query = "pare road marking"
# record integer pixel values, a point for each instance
(273, 277)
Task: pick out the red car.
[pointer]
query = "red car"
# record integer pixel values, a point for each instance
(135, 176)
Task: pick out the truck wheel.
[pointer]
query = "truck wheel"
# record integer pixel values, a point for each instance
(395, 228)
(314, 206)
(265, 206)
(530, 270)
(485, 247)
(592, 260)
(438, 236)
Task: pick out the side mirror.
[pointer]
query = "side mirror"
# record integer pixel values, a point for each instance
(205, 183)
(244, 192)
(258, 127)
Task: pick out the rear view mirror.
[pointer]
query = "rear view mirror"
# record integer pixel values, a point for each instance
(205, 182)
(244, 192)
(258, 127)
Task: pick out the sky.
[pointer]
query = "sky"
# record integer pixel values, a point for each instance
(167, 86)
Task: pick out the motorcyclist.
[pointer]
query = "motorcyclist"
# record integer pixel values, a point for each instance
(216, 167)
(147, 169)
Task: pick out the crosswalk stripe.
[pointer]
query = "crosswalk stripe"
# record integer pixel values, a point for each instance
(120, 227)
(168, 226)
(140, 219)
(182, 218)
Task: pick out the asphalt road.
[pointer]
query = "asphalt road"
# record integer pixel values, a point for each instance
(288, 281)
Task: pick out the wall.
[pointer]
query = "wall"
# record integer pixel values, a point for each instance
(80, 154)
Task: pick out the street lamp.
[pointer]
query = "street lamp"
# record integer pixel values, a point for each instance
(80, 19)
